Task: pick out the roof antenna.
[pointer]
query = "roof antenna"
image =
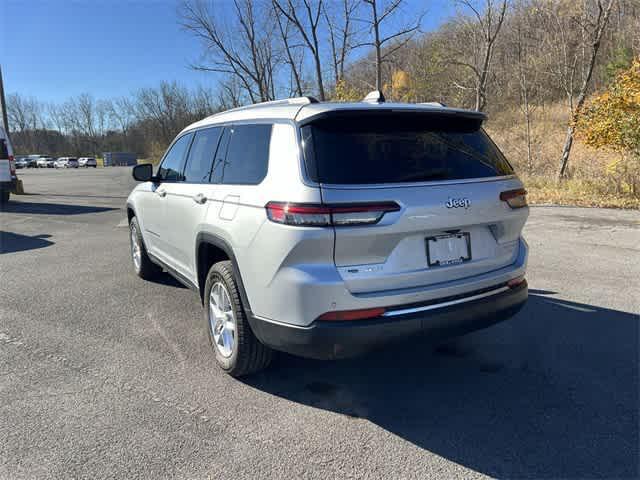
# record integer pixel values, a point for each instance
(374, 97)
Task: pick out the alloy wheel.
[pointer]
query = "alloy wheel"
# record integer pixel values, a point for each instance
(222, 320)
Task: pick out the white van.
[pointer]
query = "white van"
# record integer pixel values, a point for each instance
(8, 178)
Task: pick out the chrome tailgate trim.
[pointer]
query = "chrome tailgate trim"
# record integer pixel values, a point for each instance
(405, 311)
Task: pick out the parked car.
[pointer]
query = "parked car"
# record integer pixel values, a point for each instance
(22, 162)
(43, 162)
(50, 162)
(32, 161)
(8, 177)
(66, 162)
(61, 162)
(327, 229)
(87, 162)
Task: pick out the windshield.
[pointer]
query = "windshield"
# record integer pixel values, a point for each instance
(399, 147)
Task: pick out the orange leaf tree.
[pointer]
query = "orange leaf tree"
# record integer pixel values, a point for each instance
(611, 120)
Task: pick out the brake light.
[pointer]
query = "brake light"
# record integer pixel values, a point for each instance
(515, 282)
(515, 198)
(352, 314)
(12, 166)
(321, 215)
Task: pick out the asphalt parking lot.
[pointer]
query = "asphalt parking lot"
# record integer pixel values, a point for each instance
(105, 375)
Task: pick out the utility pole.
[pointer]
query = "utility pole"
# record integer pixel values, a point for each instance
(3, 105)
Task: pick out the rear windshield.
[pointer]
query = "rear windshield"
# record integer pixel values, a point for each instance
(399, 147)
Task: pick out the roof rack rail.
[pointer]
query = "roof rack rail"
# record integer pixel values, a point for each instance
(375, 96)
(434, 104)
(286, 101)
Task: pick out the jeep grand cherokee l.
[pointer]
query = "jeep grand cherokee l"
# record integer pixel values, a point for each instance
(326, 229)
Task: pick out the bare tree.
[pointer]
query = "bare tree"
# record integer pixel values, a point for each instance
(122, 113)
(592, 25)
(102, 123)
(522, 51)
(240, 46)
(480, 31)
(24, 112)
(56, 117)
(166, 108)
(25, 115)
(341, 35)
(381, 13)
(295, 65)
(85, 107)
(307, 24)
(203, 103)
(231, 94)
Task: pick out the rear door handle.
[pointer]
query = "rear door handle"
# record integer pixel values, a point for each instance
(200, 198)
(161, 193)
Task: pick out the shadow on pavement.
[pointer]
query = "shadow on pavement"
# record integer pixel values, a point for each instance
(80, 195)
(166, 279)
(552, 392)
(14, 242)
(51, 208)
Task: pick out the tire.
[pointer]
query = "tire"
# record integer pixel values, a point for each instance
(247, 355)
(4, 197)
(143, 267)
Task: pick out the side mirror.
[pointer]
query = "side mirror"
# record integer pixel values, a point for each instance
(143, 172)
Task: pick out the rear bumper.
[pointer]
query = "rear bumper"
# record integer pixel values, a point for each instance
(341, 339)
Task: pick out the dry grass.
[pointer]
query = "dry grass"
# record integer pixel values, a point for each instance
(577, 192)
(595, 176)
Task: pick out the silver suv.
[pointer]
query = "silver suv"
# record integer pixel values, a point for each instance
(326, 229)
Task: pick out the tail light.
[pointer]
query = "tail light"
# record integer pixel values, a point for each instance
(515, 198)
(341, 315)
(515, 282)
(321, 215)
(12, 166)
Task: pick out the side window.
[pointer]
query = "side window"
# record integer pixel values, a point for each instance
(218, 164)
(171, 168)
(247, 155)
(200, 161)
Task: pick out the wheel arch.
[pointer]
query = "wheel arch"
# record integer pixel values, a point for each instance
(211, 249)
(131, 212)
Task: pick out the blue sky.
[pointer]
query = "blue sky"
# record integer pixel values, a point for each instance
(54, 49)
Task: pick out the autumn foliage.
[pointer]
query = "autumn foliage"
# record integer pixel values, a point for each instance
(611, 120)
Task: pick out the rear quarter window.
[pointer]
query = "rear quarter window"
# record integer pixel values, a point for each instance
(247, 155)
(397, 148)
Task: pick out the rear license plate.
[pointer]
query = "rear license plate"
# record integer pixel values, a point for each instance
(448, 249)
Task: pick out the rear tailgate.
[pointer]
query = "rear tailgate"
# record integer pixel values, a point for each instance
(393, 253)
(444, 173)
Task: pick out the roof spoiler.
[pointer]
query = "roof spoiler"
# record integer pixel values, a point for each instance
(434, 104)
(374, 97)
